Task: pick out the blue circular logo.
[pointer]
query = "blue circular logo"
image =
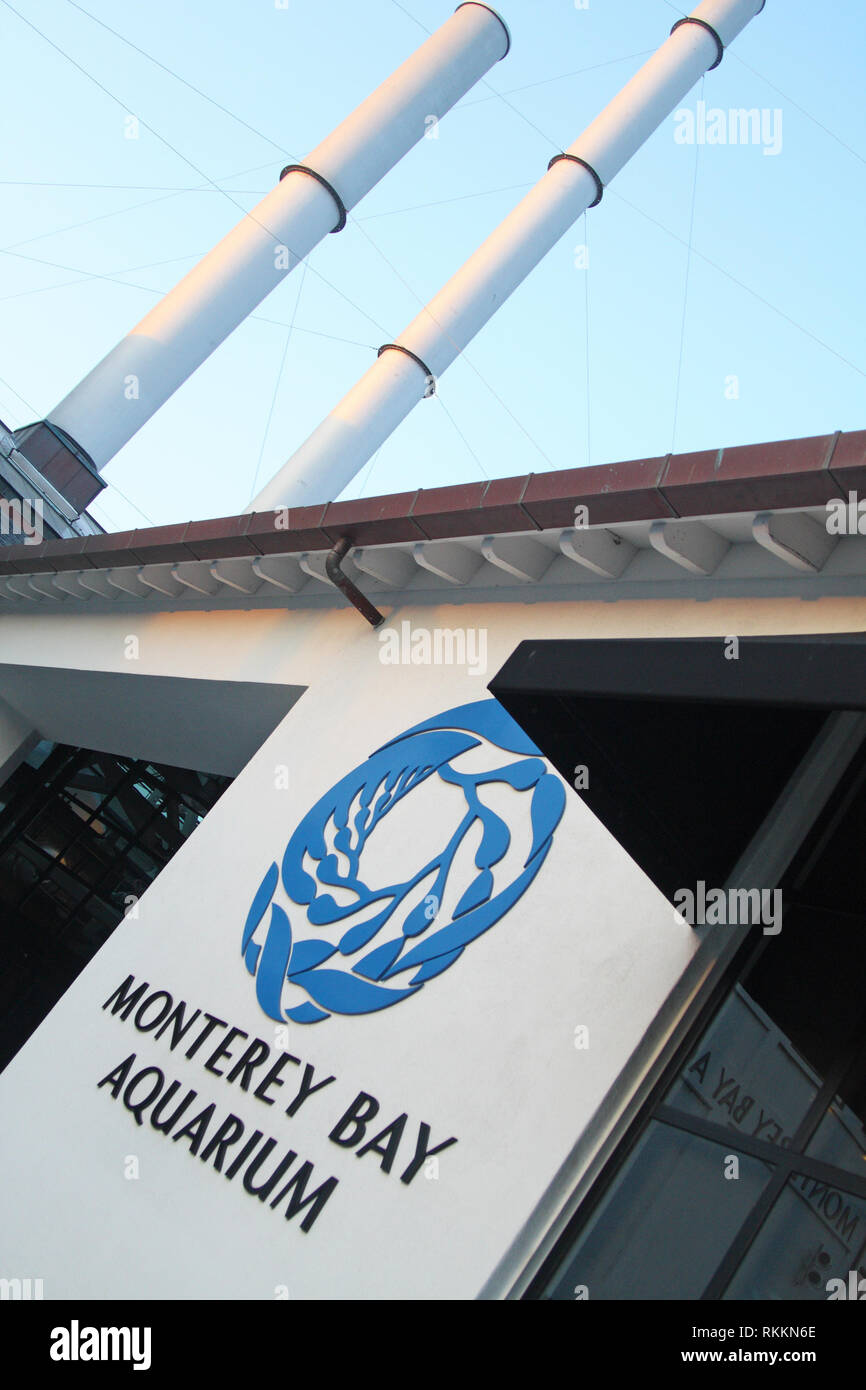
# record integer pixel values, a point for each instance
(320, 940)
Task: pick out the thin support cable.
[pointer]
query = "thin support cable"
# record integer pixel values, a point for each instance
(149, 289)
(560, 77)
(132, 207)
(22, 399)
(176, 75)
(278, 241)
(459, 432)
(370, 467)
(409, 15)
(442, 202)
(128, 500)
(460, 351)
(686, 288)
(278, 380)
(113, 278)
(741, 284)
(129, 187)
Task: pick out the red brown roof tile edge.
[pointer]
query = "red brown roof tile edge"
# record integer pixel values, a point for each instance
(755, 477)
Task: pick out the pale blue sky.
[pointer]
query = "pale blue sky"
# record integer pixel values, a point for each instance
(100, 224)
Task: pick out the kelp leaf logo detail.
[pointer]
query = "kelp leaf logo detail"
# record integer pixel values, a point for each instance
(374, 950)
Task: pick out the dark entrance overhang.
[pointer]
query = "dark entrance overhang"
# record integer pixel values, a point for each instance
(681, 747)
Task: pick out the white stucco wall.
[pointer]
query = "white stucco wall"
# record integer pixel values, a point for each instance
(297, 646)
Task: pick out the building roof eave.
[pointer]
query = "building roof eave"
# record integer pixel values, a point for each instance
(688, 510)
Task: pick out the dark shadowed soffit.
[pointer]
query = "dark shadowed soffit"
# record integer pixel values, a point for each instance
(686, 749)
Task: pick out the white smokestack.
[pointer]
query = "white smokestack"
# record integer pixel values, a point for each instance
(138, 376)
(343, 443)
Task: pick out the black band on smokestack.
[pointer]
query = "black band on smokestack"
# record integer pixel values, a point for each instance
(496, 15)
(305, 169)
(690, 19)
(398, 347)
(575, 159)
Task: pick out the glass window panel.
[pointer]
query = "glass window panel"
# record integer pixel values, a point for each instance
(101, 842)
(100, 922)
(96, 776)
(161, 839)
(20, 867)
(54, 827)
(814, 1232)
(37, 755)
(840, 1139)
(127, 812)
(102, 910)
(82, 803)
(113, 886)
(842, 1131)
(66, 890)
(141, 861)
(104, 802)
(746, 1075)
(42, 909)
(92, 858)
(666, 1223)
(152, 790)
(853, 1086)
